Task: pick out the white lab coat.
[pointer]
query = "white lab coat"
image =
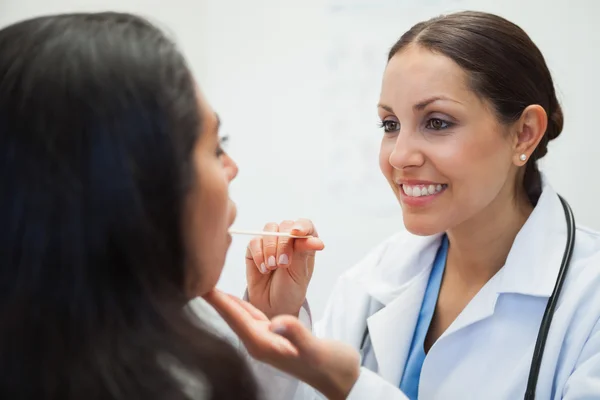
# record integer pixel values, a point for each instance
(487, 351)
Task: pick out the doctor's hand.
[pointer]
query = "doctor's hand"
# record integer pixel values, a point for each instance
(329, 366)
(278, 269)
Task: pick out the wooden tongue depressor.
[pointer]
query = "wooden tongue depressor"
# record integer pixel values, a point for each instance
(261, 233)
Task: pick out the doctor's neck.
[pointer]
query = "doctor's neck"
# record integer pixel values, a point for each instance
(480, 246)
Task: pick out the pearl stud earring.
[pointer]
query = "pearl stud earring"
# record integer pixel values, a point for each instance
(523, 157)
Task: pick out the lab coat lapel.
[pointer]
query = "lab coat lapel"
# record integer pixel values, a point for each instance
(479, 308)
(535, 258)
(391, 328)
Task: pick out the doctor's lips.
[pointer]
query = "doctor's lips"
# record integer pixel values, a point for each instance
(421, 189)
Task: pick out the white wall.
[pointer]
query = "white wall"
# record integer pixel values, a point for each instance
(296, 84)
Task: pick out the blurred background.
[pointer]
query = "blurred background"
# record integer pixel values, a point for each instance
(296, 84)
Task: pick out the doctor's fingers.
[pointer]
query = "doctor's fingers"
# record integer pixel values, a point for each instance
(285, 246)
(305, 227)
(269, 246)
(255, 255)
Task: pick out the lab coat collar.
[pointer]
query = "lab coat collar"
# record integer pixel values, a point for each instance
(397, 280)
(398, 283)
(407, 260)
(534, 260)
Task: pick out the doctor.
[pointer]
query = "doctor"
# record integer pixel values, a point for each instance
(451, 308)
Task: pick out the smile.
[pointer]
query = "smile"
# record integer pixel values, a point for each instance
(422, 190)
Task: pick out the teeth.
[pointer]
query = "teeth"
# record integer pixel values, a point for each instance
(422, 190)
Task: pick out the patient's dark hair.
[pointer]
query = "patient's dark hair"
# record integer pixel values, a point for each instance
(98, 119)
(504, 67)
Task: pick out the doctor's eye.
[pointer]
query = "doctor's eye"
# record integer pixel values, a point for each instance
(390, 126)
(438, 124)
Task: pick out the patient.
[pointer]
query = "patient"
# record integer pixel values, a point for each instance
(114, 211)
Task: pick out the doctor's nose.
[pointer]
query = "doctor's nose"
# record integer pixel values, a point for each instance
(406, 152)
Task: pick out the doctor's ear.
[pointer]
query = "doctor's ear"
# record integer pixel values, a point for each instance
(530, 128)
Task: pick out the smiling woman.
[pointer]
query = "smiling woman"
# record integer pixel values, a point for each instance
(459, 120)
(452, 139)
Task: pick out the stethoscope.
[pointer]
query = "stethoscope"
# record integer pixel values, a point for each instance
(538, 351)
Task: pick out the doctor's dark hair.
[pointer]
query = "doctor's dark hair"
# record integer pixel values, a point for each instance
(98, 120)
(503, 66)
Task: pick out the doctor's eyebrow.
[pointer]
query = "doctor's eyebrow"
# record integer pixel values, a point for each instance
(386, 108)
(422, 104)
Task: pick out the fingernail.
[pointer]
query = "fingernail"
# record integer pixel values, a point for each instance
(263, 268)
(283, 259)
(297, 227)
(272, 262)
